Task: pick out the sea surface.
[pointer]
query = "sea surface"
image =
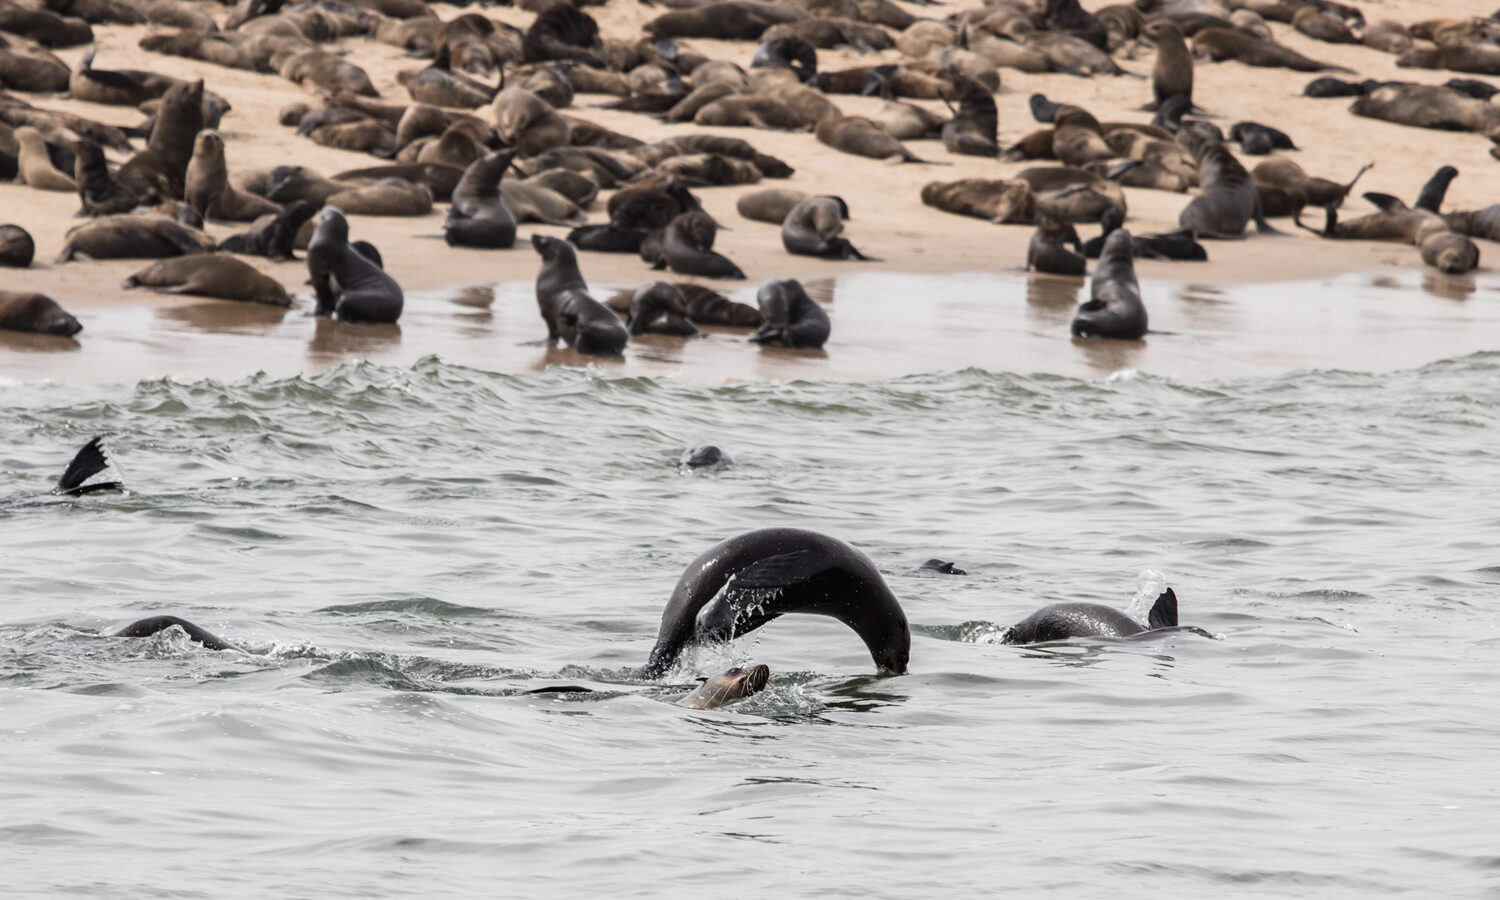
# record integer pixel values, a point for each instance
(403, 550)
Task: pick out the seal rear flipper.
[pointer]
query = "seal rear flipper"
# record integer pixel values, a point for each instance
(1164, 611)
(561, 689)
(155, 624)
(89, 461)
(1385, 202)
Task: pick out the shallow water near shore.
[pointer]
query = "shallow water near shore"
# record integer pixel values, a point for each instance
(884, 325)
(402, 549)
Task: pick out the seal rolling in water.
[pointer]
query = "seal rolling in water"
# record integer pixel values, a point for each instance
(740, 584)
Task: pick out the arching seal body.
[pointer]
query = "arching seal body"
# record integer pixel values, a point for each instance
(210, 275)
(566, 306)
(348, 284)
(479, 216)
(742, 583)
(161, 169)
(792, 319)
(1114, 308)
(727, 687)
(813, 227)
(1061, 621)
(1229, 199)
(156, 624)
(687, 247)
(35, 313)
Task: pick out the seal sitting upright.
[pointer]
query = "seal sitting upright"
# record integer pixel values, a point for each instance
(348, 284)
(1114, 308)
(570, 313)
(740, 584)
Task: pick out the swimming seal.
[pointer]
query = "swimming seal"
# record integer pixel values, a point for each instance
(566, 306)
(479, 216)
(705, 458)
(36, 313)
(16, 247)
(792, 319)
(155, 624)
(210, 275)
(1114, 308)
(813, 226)
(349, 285)
(687, 247)
(740, 584)
(1061, 621)
(727, 687)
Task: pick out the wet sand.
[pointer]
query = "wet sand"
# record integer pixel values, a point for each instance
(889, 222)
(1007, 322)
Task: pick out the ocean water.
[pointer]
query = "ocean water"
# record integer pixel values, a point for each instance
(403, 550)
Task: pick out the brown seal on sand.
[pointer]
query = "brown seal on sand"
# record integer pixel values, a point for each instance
(566, 306)
(36, 313)
(687, 247)
(1219, 44)
(207, 189)
(272, 236)
(36, 166)
(133, 237)
(1172, 73)
(161, 169)
(1229, 199)
(210, 275)
(16, 247)
(527, 122)
(862, 137)
(769, 205)
(813, 228)
(727, 687)
(1047, 251)
(99, 191)
(1000, 201)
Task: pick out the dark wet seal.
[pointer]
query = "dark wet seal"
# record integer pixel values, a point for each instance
(1114, 308)
(937, 566)
(82, 475)
(156, 624)
(791, 317)
(1062, 621)
(727, 687)
(570, 312)
(35, 313)
(348, 284)
(705, 458)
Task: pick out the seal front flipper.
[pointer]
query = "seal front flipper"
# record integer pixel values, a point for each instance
(88, 462)
(1164, 611)
(155, 624)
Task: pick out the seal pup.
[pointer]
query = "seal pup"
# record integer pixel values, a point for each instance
(1114, 308)
(126, 87)
(812, 228)
(210, 275)
(133, 237)
(687, 247)
(740, 584)
(792, 319)
(727, 687)
(1048, 252)
(156, 624)
(1061, 621)
(659, 308)
(17, 249)
(272, 236)
(1259, 140)
(1228, 200)
(36, 166)
(566, 306)
(98, 191)
(348, 285)
(208, 191)
(705, 458)
(35, 313)
(479, 216)
(1172, 73)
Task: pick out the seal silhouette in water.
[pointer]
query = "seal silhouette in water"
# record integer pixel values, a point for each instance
(150, 626)
(1114, 308)
(705, 458)
(1061, 621)
(349, 284)
(91, 461)
(738, 585)
(727, 687)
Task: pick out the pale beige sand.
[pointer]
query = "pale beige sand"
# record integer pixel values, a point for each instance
(889, 222)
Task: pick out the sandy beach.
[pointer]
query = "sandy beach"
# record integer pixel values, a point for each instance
(888, 222)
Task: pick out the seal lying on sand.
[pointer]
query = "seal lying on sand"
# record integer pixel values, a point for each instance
(210, 275)
(35, 313)
(1061, 621)
(16, 247)
(133, 237)
(727, 687)
(1176, 245)
(348, 284)
(566, 306)
(742, 583)
(792, 319)
(1114, 308)
(272, 236)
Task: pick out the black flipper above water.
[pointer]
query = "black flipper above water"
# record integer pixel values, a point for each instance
(155, 624)
(1164, 611)
(87, 463)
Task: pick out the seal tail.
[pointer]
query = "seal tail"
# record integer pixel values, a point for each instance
(87, 463)
(1164, 611)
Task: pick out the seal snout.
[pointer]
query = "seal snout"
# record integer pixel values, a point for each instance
(756, 679)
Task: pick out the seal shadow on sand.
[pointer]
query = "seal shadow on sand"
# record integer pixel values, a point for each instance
(332, 338)
(225, 317)
(29, 342)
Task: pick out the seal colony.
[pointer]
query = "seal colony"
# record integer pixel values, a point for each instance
(525, 87)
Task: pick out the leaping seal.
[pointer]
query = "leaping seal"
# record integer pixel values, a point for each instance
(740, 584)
